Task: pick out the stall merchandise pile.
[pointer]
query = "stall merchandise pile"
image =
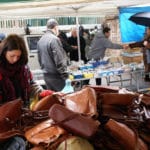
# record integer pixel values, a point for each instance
(96, 117)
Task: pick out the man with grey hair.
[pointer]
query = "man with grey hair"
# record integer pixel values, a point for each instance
(52, 57)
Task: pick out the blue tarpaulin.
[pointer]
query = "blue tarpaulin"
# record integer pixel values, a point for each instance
(130, 31)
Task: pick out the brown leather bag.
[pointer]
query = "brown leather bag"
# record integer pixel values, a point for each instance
(46, 102)
(73, 122)
(44, 133)
(118, 99)
(10, 113)
(83, 101)
(125, 136)
(104, 89)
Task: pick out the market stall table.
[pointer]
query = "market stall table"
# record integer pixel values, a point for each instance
(117, 73)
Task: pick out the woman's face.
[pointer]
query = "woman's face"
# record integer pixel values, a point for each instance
(13, 56)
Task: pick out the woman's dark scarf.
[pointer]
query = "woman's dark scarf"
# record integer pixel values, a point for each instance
(14, 72)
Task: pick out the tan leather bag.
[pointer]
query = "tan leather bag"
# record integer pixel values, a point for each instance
(46, 102)
(44, 133)
(83, 101)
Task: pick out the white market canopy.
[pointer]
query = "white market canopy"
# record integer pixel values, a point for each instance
(47, 8)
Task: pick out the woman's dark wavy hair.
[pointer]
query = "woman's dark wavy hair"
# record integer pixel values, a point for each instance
(14, 42)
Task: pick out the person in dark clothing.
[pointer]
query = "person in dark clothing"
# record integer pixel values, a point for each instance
(145, 45)
(81, 30)
(27, 30)
(74, 56)
(66, 46)
(64, 40)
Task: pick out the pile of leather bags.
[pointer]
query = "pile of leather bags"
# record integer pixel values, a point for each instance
(94, 118)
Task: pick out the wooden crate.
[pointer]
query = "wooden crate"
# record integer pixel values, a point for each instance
(132, 50)
(135, 59)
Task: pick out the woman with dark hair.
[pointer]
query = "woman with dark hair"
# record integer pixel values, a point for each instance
(15, 81)
(15, 77)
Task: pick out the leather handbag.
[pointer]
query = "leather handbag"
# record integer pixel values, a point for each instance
(118, 99)
(44, 133)
(104, 89)
(126, 137)
(10, 114)
(114, 112)
(83, 101)
(46, 102)
(73, 122)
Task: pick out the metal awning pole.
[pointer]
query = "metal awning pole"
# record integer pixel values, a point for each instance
(78, 38)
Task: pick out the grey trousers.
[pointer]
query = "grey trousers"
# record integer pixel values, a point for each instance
(55, 84)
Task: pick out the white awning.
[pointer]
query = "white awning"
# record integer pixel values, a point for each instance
(43, 8)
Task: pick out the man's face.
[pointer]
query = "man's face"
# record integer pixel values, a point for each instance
(56, 30)
(107, 34)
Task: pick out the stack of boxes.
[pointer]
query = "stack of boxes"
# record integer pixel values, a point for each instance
(132, 55)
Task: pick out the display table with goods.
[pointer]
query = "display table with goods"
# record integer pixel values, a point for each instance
(111, 72)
